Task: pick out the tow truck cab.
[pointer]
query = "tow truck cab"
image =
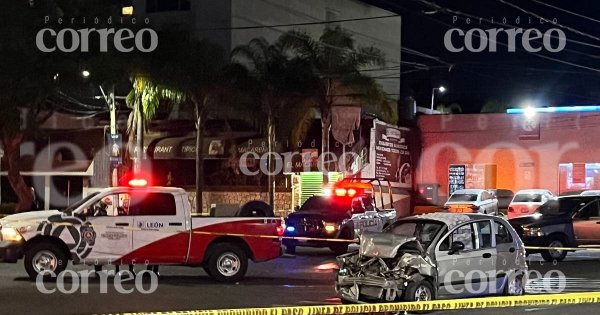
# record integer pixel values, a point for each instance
(137, 225)
(353, 205)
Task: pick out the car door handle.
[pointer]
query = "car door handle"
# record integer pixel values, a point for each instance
(487, 255)
(122, 224)
(175, 224)
(512, 249)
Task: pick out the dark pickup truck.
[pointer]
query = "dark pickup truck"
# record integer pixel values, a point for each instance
(345, 214)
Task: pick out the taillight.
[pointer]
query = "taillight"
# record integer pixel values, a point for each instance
(351, 192)
(341, 192)
(280, 229)
(511, 209)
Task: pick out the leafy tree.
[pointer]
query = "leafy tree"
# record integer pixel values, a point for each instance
(453, 108)
(494, 106)
(282, 87)
(338, 61)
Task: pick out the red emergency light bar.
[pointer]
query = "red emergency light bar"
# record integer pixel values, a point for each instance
(138, 182)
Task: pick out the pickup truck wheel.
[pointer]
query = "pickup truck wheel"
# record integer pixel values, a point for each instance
(227, 263)
(551, 255)
(290, 249)
(44, 257)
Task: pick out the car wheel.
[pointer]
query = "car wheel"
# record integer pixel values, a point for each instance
(551, 255)
(45, 257)
(514, 286)
(290, 249)
(227, 263)
(420, 290)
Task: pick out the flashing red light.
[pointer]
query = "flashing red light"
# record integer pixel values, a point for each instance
(280, 230)
(139, 182)
(341, 192)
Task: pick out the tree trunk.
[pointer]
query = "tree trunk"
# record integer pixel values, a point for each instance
(12, 151)
(199, 108)
(139, 139)
(270, 176)
(325, 128)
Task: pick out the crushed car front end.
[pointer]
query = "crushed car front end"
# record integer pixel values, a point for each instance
(382, 269)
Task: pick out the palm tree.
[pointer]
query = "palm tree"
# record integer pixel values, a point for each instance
(338, 62)
(282, 87)
(144, 99)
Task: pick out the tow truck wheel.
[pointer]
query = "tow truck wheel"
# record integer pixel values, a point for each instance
(45, 257)
(227, 263)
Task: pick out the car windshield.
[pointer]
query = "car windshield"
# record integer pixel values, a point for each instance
(463, 197)
(322, 203)
(425, 231)
(76, 205)
(528, 198)
(560, 206)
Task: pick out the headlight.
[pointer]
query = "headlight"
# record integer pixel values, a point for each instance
(330, 227)
(533, 232)
(11, 234)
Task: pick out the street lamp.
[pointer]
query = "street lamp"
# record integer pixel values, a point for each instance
(85, 73)
(442, 89)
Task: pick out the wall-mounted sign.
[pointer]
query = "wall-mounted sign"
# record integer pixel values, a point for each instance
(390, 154)
(456, 177)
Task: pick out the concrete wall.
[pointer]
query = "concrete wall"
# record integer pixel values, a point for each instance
(283, 200)
(498, 139)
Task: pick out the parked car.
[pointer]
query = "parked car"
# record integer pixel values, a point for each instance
(527, 201)
(590, 193)
(352, 209)
(472, 201)
(567, 221)
(504, 197)
(434, 255)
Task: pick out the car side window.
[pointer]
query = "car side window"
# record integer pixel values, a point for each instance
(464, 234)
(484, 232)
(502, 234)
(111, 205)
(153, 204)
(592, 210)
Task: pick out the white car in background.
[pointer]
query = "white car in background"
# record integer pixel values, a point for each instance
(472, 201)
(590, 193)
(526, 201)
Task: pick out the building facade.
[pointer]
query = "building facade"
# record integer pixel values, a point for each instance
(231, 23)
(556, 151)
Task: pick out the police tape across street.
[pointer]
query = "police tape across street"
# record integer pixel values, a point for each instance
(474, 303)
(595, 248)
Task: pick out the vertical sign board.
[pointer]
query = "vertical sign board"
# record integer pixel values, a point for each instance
(116, 145)
(578, 173)
(456, 177)
(390, 154)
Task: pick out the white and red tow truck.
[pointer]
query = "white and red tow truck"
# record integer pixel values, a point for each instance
(138, 225)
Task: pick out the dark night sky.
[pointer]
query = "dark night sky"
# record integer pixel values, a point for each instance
(512, 77)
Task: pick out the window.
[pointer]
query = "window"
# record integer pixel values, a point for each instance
(167, 5)
(484, 229)
(424, 231)
(590, 211)
(111, 205)
(502, 234)
(153, 204)
(464, 234)
(463, 197)
(528, 198)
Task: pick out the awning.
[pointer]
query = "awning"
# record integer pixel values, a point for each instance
(185, 148)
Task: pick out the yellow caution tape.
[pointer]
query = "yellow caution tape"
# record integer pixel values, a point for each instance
(436, 305)
(300, 238)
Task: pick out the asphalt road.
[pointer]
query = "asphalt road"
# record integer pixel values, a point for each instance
(306, 279)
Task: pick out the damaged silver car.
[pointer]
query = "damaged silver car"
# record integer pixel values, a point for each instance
(434, 255)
